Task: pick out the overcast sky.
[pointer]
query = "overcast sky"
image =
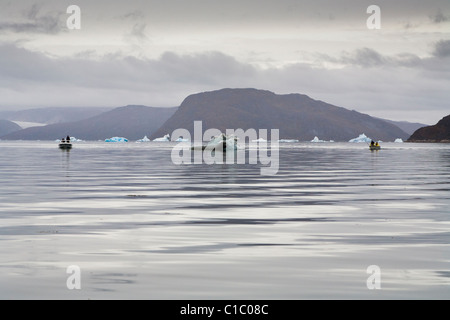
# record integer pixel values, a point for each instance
(157, 52)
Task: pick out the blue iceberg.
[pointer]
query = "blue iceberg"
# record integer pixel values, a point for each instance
(116, 139)
(361, 138)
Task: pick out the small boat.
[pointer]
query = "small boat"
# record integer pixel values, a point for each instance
(372, 148)
(65, 145)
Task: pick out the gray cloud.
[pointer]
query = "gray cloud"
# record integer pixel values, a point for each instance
(370, 58)
(138, 31)
(213, 15)
(113, 79)
(439, 17)
(32, 12)
(365, 57)
(134, 15)
(93, 67)
(138, 34)
(35, 22)
(442, 49)
(393, 90)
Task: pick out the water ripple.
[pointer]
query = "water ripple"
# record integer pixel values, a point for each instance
(133, 220)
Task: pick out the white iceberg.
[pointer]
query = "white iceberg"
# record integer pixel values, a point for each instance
(163, 139)
(259, 140)
(361, 138)
(180, 139)
(144, 139)
(398, 140)
(116, 139)
(223, 142)
(316, 139)
(288, 140)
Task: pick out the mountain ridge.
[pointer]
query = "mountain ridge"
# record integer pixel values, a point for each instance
(406, 126)
(52, 115)
(297, 116)
(7, 127)
(439, 132)
(132, 122)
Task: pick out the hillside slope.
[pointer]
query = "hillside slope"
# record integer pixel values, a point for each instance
(297, 116)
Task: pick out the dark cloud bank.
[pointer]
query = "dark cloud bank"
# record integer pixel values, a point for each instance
(366, 80)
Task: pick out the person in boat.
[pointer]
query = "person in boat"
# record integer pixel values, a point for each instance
(377, 144)
(68, 139)
(372, 143)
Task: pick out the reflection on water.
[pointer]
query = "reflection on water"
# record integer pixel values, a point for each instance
(140, 227)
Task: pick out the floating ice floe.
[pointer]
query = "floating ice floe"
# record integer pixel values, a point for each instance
(163, 139)
(144, 139)
(287, 140)
(180, 139)
(398, 140)
(116, 139)
(361, 138)
(259, 140)
(223, 142)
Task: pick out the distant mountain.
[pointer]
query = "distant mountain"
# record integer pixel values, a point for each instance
(132, 122)
(8, 127)
(53, 115)
(408, 127)
(297, 116)
(440, 132)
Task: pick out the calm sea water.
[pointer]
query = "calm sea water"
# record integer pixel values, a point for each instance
(140, 227)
